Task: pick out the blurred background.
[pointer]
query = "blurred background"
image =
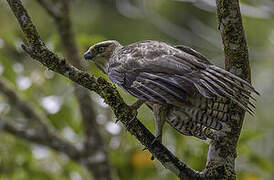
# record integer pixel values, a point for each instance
(188, 22)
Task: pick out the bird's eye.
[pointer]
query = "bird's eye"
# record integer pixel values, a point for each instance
(101, 49)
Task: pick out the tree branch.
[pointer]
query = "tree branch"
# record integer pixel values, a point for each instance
(35, 129)
(53, 7)
(37, 50)
(222, 153)
(93, 138)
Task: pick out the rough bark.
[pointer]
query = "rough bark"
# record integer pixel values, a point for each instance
(222, 153)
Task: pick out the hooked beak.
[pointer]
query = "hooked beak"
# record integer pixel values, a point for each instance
(88, 55)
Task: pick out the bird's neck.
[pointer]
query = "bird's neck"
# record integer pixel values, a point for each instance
(102, 64)
(103, 61)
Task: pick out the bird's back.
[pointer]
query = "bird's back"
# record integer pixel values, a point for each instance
(165, 74)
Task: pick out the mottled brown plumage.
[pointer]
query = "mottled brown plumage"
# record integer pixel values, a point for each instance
(193, 93)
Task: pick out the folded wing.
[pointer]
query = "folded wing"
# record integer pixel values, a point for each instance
(174, 77)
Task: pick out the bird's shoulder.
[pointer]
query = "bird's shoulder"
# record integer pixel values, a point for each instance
(148, 49)
(151, 49)
(146, 53)
(200, 57)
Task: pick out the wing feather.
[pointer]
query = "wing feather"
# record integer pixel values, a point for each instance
(137, 94)
(236, 79)
(170, 81)
(172, 90)
(145, 94)
(191, 51)
(173, 75)
(152, 90)
(209, 87)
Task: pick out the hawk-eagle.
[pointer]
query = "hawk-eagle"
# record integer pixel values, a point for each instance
(181, 86)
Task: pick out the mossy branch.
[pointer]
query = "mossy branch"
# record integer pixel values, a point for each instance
(222, 154)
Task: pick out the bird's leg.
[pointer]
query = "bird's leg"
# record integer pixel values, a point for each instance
(135, 106)
(159, 117)
(159, 122)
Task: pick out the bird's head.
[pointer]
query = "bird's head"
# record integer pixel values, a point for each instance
(100, 53)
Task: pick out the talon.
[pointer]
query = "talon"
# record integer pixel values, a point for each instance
(157, 138)
(134, 108)
(135, 113)
(154, 140)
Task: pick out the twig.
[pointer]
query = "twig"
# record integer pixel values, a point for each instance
(53, 7)
(37, 50)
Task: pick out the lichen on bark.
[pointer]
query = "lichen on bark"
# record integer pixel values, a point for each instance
(222, 154)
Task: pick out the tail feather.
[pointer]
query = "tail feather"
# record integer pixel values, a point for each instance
(185, 125)
(197, 121)
(203, 118)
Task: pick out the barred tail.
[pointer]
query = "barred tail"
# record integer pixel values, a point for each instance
(201, 119)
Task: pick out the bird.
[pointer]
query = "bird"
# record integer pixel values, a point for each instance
(179, 84)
